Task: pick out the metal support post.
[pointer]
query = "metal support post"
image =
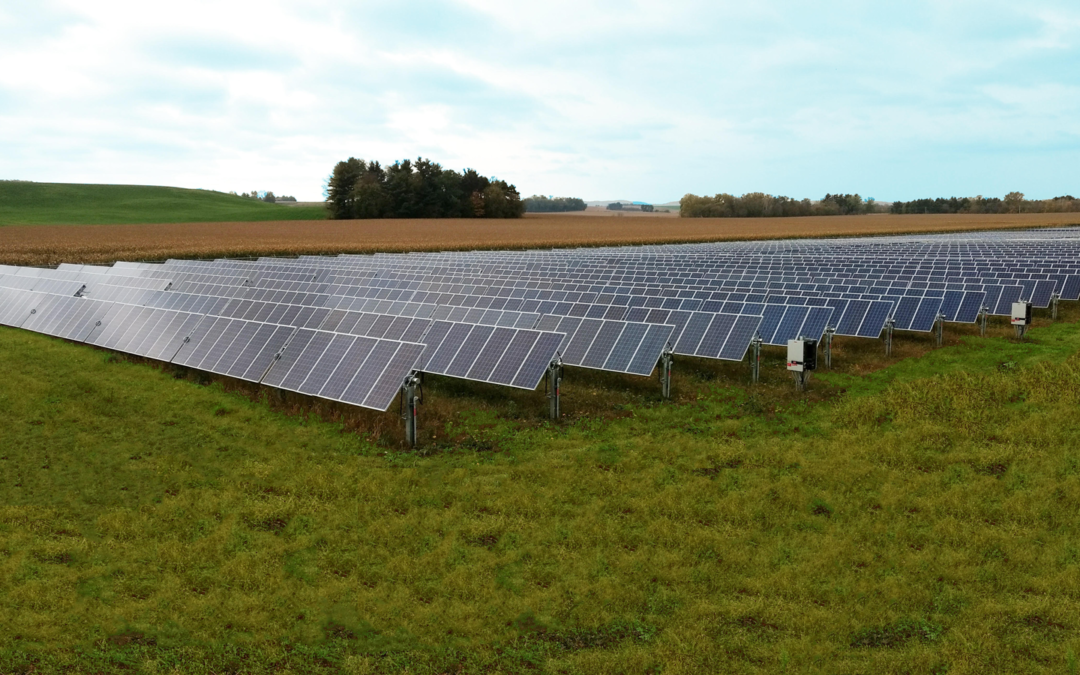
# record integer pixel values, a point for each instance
(554, 386)
(1053, 305)
(666, 361)
(984, 313)
(1020, 332)
(829, 333)
(940, 329)
(801, 378)
(890, 323)
(755, 359)
(411, 397)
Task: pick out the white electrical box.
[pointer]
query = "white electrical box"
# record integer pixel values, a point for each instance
(801, 355)
(1021, 313)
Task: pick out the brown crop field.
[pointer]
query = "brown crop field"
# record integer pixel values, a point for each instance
(49, 245)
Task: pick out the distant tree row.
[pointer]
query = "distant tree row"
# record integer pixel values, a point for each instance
(761, 205)
(1013, 202)
(541, 204)
(264, 196)
(420, 189)
(619, 206)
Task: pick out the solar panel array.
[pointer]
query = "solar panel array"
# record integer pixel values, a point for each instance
(351, 328)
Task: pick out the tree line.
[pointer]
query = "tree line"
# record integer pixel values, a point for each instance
(761, 205)
(417, 189)
(1013, 202)
(542, 204)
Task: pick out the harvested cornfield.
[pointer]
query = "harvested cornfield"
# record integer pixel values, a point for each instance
(49, 245)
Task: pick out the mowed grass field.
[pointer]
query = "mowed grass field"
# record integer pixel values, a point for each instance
(41, 245)
(28, 203)
(916, 514)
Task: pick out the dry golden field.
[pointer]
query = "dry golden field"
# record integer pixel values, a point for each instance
(48, 245)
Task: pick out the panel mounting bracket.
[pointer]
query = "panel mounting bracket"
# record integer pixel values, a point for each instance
(667, 359)
(553, 384)
(830, 332)
(412, 394)
(755, 359)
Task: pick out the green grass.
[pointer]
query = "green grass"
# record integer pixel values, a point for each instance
(920, 519)
(27, 203)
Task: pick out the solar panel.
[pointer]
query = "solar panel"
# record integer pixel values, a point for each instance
(970, 307)
(875, 318)
(926, 314)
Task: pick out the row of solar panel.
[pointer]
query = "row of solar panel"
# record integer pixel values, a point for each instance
(1040, 297)
(1003, 274)
(242, 349)
(1040, 300)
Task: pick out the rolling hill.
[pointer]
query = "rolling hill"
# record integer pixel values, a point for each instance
(28, 203)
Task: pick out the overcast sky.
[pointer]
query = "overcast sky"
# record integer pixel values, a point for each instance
(599, 100)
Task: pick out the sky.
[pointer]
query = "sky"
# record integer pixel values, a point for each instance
(598, 100)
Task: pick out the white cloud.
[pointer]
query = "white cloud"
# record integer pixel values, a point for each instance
(594, 99)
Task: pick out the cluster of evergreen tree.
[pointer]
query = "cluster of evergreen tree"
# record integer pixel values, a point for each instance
(761, 205)
(1013, 202)
(420, 189)
(541, 204)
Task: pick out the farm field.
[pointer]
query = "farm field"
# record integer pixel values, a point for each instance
(910, 514)
(50, 245)
(27, 203)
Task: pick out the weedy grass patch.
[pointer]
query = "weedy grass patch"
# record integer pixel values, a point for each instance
(916, 514)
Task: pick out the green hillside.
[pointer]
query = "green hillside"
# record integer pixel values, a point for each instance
(921, 519)
(26, 203)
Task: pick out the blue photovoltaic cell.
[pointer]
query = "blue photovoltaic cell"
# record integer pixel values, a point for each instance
(651, 348)
(306, 361)
(369, 373)
(514, 357)
(433, 340)
(626, 347)
(739, 339)
(815, 323)
(393, 376)
(470, 349)
(448, 349)
(926, 315)
(285, 361)
(348, 367)
(993, 293)
(603, 344)
(951, 304)
(970, 307)
(771, 317)
(1009, 295)
(535, 365)
(1040, 296)
(716, 335)
(790, 325)
(875, 319)
(1071, 289)
(581, 341)
(853, 317)
(693, 332)
(490, 354)
(320, 372)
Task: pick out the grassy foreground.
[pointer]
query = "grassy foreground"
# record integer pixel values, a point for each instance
(920, 519)
(27, 203)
